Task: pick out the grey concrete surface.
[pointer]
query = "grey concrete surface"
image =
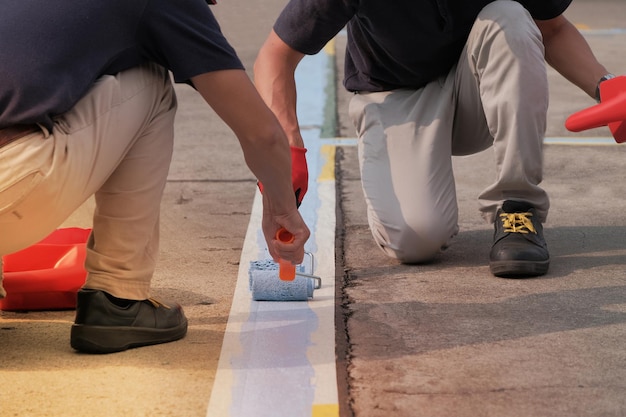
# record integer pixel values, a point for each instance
(443, 339)
(449, 339)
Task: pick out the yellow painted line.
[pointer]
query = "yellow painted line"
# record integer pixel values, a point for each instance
(329, 48)
(327, 172)
(325, 410)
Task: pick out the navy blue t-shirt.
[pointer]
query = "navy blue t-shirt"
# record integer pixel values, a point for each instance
(392, 44)
(52, 52)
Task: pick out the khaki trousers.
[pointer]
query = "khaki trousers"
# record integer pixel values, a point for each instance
(497, 95)
(115, 143)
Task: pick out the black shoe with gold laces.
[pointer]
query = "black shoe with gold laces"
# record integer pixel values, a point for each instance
(519, 249)
(105, 324)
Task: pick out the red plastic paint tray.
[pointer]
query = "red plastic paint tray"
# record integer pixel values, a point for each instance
(48, 274)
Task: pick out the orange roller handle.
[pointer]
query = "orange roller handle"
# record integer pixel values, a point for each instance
(287, 270)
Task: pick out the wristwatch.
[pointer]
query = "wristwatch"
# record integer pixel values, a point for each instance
(604, 78)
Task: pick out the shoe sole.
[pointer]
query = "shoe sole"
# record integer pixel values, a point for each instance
(519, 269)
(110, 339)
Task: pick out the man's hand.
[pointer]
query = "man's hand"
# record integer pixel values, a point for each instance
(292, 222)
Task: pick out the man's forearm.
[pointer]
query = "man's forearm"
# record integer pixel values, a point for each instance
(261, 138)
(568, 52)
(279, 93)
(274, 79)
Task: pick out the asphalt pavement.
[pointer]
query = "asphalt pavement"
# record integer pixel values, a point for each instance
(448, 338)
(442, 339)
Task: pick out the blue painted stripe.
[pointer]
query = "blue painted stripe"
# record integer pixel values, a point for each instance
(278, 358)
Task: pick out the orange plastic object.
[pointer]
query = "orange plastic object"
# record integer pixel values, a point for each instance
(287, 270)
(48, 274)
(610, 112)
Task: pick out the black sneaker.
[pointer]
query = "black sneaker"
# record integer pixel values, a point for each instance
(519, 249)
(104, 324)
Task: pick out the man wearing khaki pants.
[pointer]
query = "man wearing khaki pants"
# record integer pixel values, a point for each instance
(434, 79)
(85, 110)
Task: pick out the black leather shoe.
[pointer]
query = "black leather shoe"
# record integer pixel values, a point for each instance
(519, 249)
(101, 326)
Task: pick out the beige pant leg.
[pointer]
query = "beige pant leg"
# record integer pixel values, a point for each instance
(497, 95)
(502, 99)
(406, 168)
(115, 143)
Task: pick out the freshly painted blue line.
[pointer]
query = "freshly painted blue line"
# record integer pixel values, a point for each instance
(278, 358)
(279, 374)
(311, 78)
(273, 372)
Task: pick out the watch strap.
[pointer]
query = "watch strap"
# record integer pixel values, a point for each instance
(600, 81)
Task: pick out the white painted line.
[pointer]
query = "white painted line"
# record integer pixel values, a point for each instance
(603, 32)
(563, 140)
(580, 141)
(278, 358)
(340, 141)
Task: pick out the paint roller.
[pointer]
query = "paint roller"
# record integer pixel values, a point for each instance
(611, 111)
(282, 281)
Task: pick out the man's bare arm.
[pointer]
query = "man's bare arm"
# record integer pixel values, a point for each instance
(274, 78)
(568, 52)
(236, 101)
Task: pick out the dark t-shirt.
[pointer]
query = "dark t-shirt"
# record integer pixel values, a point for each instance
(51, 53)
(392, 44)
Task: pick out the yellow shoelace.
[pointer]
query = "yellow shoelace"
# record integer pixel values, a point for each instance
(517, 222)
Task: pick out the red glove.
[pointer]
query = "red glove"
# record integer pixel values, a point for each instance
(299, 174)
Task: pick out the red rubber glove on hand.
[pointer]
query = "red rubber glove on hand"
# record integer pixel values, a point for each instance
(299, 174)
